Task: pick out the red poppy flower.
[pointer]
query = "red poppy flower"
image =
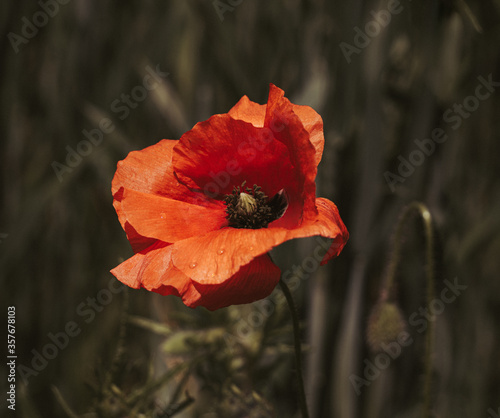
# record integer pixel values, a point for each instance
(202, 212)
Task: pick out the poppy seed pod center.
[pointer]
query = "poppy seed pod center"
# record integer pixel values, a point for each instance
(252, 209)
(247, 205)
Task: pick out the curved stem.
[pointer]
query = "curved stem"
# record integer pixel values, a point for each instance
(298, 349)
(426, 217)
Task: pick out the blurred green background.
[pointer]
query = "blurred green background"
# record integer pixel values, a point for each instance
(383, 83)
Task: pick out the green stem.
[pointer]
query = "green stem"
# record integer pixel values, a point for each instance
(426, 217)
(298, 349)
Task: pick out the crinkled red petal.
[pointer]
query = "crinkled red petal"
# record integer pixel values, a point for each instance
(170, 220)
(221, 153)
(216, 256)
(249, 111)
(152, 269)
(313, 124)
(252, 282)
(150, 171)
(289, 130)
(255, 114)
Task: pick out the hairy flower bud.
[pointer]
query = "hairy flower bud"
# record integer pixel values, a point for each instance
(384, 325)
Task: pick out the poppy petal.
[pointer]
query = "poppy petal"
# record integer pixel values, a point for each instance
(145, 266)
(255, 114)
(221, 153)
(313, 124)
(288, 129)
(137, 241)
(152, 269)
(149, 171)
(249, 111)
(216, 256)
(169, 220)
(329, 224)
(252, 282)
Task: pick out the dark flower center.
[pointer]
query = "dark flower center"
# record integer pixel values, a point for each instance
(251, 208)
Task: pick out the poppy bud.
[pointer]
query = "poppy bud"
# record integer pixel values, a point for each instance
(384, 325)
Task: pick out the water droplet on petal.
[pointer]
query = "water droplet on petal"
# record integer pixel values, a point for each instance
(193, 265)
(163, 215)
(220, 252)
(250, 249)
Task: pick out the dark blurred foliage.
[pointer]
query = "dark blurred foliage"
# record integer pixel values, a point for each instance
(152, 355)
